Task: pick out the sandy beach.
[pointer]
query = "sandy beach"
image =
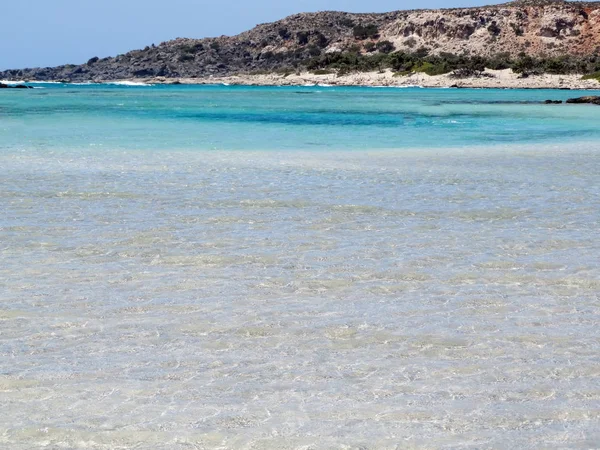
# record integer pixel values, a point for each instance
(492, 79)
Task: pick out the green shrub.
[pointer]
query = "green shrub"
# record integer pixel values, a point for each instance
(556, 66)
(422, 52)
(345, 22)
(524, 64)
(431, 68)
(385, 47)
(302, 37)
(592, 76)
(284, 34)
(185, 57)
(370, 46)
(517, 29)
(320, 40)
(494, 29)
(192, 48)
(410, 42)
(355, 48)
(313, 50)
(367, 31)
(404, 62)
(499, 62)
(322, 72)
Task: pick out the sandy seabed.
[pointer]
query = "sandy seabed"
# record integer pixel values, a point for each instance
(309, 300)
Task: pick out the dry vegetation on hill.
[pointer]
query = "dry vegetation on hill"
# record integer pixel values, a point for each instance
(529, 36)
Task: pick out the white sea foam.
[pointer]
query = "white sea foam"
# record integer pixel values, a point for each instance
(15, 82)
(406, 86)
(128, 83)
(12, 82)
(88, 83)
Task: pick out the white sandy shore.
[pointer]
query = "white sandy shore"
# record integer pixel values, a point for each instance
(503, 79)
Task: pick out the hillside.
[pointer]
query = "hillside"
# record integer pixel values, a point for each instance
(539, 29)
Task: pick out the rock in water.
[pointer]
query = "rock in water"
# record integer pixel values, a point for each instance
(553, 102)
(18, 86)
(591, 99)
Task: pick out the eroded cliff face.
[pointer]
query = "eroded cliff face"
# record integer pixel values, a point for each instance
(537, 28)
(550, 29)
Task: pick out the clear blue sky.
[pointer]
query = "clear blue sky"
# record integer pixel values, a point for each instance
(51, 32)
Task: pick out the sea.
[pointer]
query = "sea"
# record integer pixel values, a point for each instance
(226, 267)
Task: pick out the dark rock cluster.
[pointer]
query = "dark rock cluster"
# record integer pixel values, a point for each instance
(589, 99)
(17, 86)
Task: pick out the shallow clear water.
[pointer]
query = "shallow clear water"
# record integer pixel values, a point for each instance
(282, 118)
(183, 298)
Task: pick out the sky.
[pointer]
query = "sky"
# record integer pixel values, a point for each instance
(40, 33)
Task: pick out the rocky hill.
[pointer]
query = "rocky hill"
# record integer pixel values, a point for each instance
(538, 28)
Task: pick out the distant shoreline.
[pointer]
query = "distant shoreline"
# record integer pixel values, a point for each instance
(490, 79)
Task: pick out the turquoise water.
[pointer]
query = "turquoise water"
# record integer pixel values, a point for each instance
(352, 269)
(282, 118)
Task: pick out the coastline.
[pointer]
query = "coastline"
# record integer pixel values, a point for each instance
(491, 79)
